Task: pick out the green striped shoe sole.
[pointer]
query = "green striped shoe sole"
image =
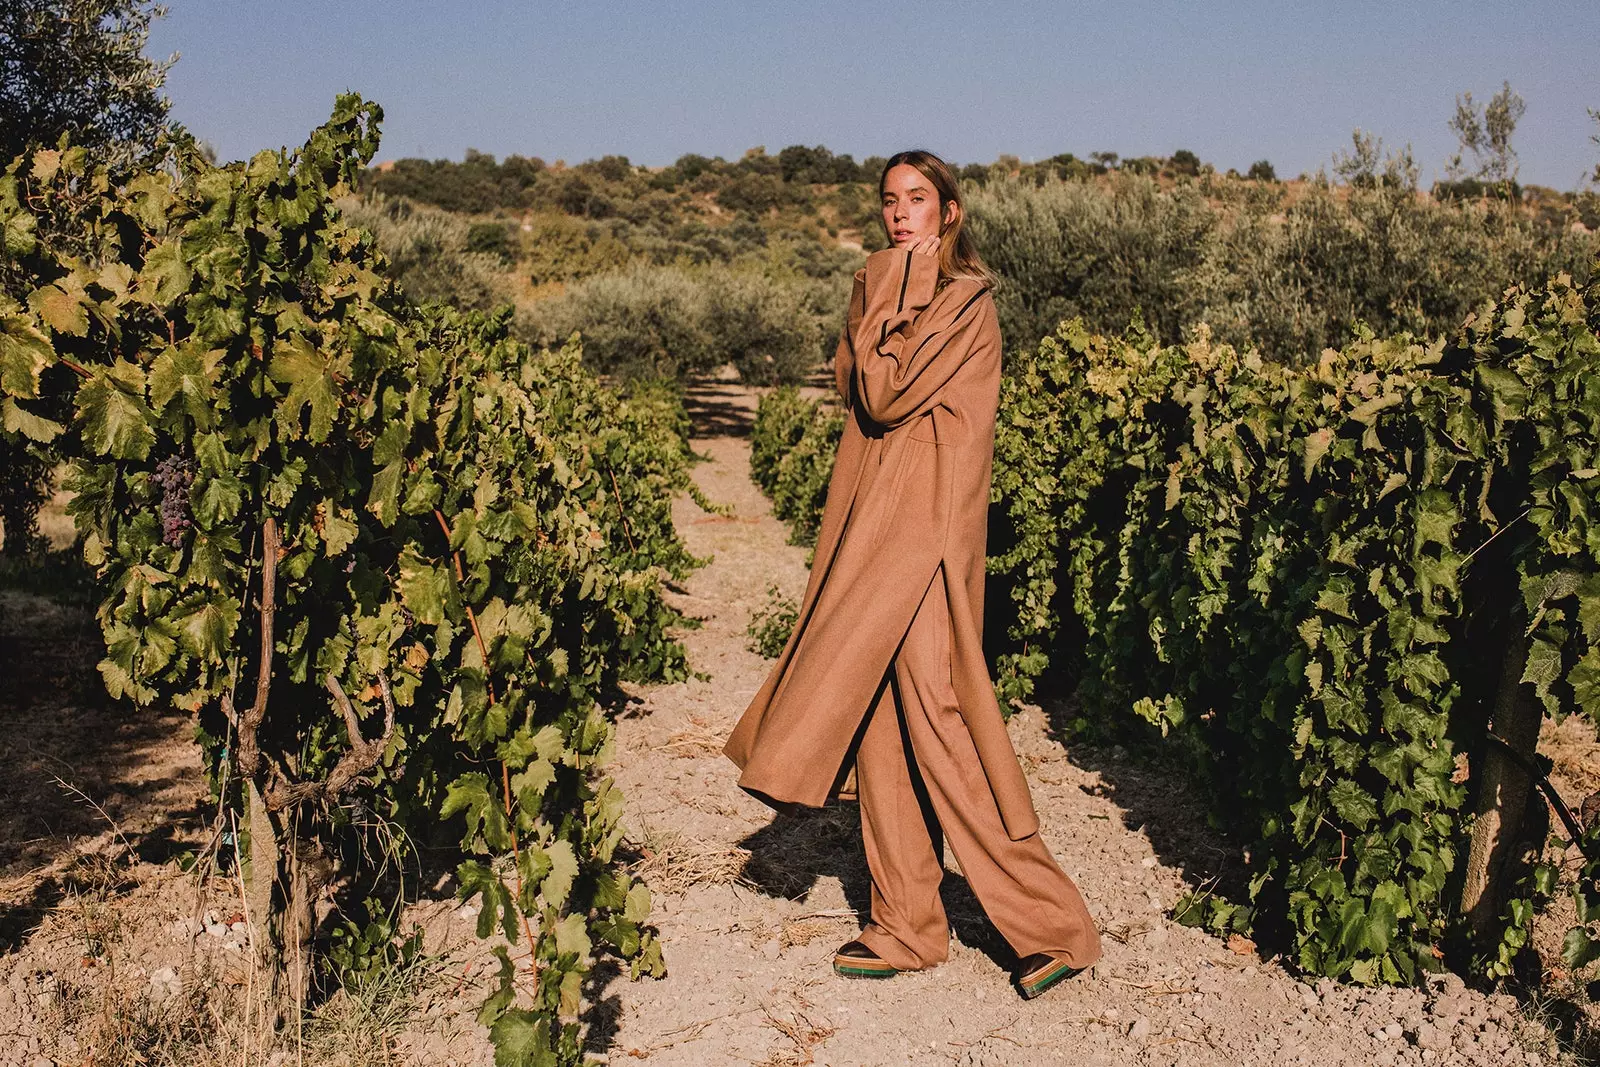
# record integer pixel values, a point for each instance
(861, 967)
(1042, 980)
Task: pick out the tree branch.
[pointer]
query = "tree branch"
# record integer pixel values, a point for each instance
(361, 757)
(249, 724)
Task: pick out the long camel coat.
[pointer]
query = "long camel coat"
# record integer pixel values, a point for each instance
(919, 370)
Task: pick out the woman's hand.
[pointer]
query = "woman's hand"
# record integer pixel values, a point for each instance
(927, 246)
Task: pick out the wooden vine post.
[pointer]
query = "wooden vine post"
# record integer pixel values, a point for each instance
(1504, 788)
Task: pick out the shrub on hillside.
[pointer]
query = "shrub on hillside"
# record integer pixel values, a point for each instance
(1261, 171)
(641, 321)
(1100, 252)
(430, 252)
(673, 321)
(559, 248)
(1290, 272)
(763, 327)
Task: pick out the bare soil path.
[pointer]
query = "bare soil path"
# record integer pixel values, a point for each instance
(751, 905)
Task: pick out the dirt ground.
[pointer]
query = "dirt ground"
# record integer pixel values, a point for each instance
(110, 954)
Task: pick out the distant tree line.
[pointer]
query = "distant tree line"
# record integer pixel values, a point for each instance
(755, 183)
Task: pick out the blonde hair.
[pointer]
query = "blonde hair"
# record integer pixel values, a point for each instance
(958, 255)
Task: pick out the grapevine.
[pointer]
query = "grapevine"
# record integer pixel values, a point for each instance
(388, 556)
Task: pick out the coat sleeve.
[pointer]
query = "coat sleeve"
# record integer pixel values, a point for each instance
(844, 356)
(902, 350)
(844, 366)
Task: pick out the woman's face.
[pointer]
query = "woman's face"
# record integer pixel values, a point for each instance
(910, 205)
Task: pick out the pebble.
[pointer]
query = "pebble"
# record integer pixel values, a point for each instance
(1430, 1038)
(165, 984)
(1140, 1029)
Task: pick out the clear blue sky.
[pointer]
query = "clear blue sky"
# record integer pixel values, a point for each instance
(1234, 82)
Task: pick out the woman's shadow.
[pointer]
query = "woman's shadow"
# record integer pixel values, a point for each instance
(801, 847)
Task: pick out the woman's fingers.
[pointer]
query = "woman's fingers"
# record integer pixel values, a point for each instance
(927, 246)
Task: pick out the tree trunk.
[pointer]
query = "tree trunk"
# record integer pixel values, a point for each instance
(281, 885)
(1503, 791)
(264, 916)
(299, 922)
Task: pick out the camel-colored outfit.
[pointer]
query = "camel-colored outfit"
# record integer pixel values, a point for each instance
(886, 662)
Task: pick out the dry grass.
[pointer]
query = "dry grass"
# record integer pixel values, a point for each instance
(802, 1032)
(674, 863)
(1574, 750)
(696, 741)
(808, 928)
(805, 843)
(1555, 1029)
(105, 1010)
(211, 1022)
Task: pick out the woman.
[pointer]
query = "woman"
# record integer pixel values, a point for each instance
(884, 674)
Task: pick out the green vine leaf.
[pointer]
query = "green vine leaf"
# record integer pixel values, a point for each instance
(111, 407)
(1579, 949)
(24, 353)
(496, 906)
(309, 377)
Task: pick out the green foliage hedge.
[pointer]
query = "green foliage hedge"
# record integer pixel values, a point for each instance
(1316, 579)
(473, 538)
(772, 326)
(792, 447)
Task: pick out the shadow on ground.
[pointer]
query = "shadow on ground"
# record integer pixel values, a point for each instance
(1156, 797)
(719, 407)
(795, 850)
(723, 406)
(79, 765)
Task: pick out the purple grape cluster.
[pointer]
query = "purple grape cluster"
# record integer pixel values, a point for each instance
(173, 477)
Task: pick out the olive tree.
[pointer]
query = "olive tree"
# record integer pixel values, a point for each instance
(78, 67)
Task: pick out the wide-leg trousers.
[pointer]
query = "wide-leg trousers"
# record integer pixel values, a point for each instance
(919, 779)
